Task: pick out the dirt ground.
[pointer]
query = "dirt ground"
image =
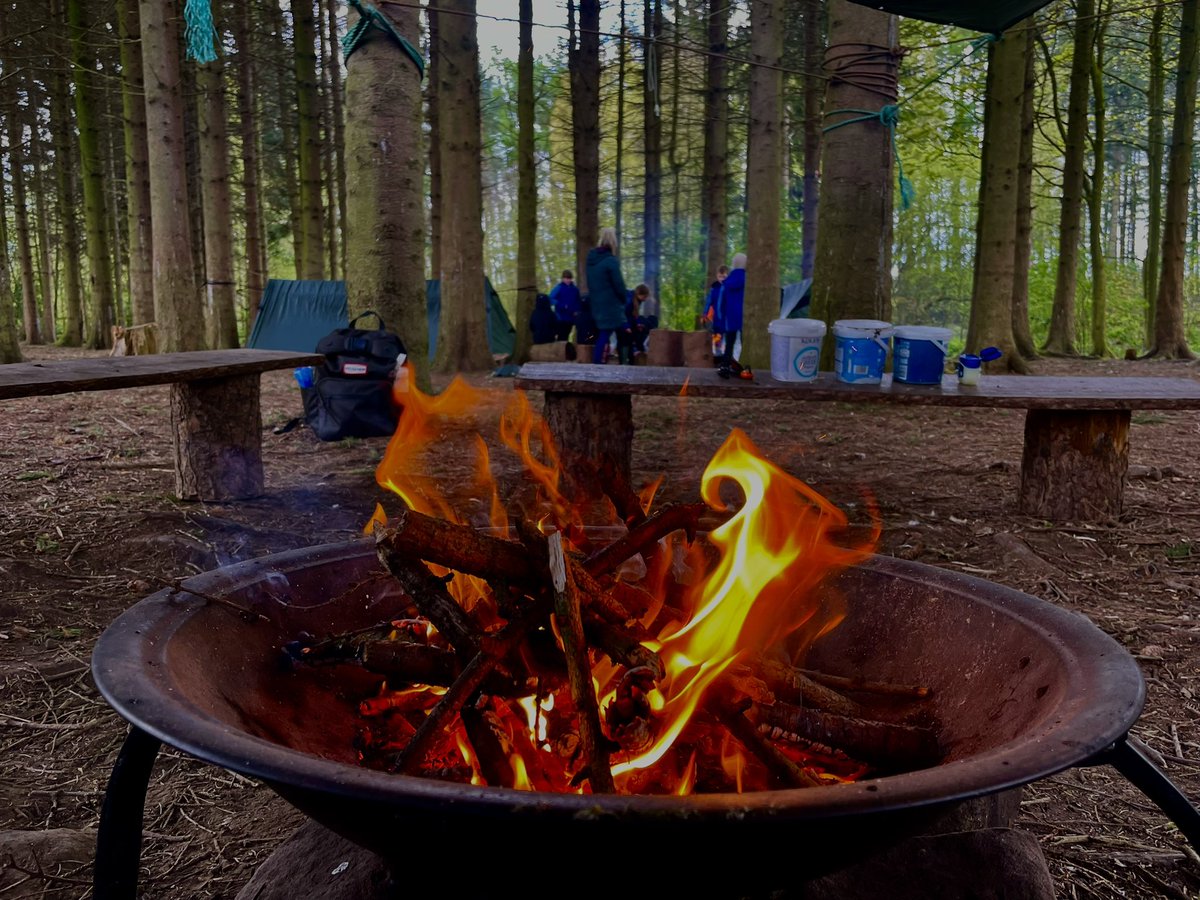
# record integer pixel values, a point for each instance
(88, 526)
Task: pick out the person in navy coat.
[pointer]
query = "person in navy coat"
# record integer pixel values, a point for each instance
(729, 307)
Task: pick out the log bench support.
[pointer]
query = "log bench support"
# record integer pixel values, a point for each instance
(596, 427)
(1074, 464)
(217, 426)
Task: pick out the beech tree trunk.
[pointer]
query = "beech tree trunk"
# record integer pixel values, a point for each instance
(218, 217)
(1023, 249)
(527, 283)
(385, 214)
(311, 246)
(65, 153)
(462, 336)
(1170, 338)
(715, 220)
(248, 85)
(652, 143)
(996, 234)
(1061, 339)
(764, 187)
(585, 134)
(137, 166)
(852, 276)
(176, 307)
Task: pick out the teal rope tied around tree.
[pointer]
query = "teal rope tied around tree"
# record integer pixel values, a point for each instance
(889, 117)
(200, 31)
(369, 17)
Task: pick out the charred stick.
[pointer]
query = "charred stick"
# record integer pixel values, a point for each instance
(900, 747)
(622, 647)
(492, 649)
(624, 498)
(597, 598)
(851, 683)
(641, 538)
(400, 701)
(791, 685)
(429, 594)
(569, 619)
(731, 716)
(460, 547)
(489, 748)
(636, 600)
(421, 664)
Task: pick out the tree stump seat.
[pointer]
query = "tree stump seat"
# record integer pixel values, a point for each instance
(215, 416)
(1076, 429)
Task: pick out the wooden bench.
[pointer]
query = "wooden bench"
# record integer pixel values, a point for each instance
(215, 415)
(1076, 429)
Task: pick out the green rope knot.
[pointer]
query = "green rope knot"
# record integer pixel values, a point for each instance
(200, 32)
(369, 17)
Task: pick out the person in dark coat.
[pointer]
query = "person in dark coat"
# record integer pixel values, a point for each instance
(566, 302)
(606, 291)
(585, 325)
(643, 317)
(542, 321)
(729, 308)
(711, 302)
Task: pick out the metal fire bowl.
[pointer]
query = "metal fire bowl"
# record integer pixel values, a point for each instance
(1022, 689)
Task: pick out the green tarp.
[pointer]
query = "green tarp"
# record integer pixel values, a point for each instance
(294, 315)
(989, 17)
(501, 335)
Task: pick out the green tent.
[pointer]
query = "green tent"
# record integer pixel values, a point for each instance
(501, 336)
(295, 315)
(990, 17)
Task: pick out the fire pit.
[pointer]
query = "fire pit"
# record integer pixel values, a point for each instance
(1021, 689)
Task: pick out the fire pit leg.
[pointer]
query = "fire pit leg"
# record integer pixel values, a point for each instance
(1128, 758)
(119, 837)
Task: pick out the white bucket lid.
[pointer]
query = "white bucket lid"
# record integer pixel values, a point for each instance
(797, 327)
(857, 328)
(923, 333)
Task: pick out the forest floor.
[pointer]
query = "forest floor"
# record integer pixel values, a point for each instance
(88, 526)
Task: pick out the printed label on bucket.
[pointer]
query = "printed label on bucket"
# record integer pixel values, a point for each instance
(858, 360)
(805, 362)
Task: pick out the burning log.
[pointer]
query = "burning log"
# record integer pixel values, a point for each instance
(629, 716)
(458, 547)
(641, 538)
(429, 594)
(791, 685)
(622, 647)
(420, 664)
(865, 686)
(730, 715)
(401, 702)
(883, 744)
(579, 671)
(490, 748)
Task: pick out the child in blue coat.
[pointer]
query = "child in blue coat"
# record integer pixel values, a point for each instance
(729, 308)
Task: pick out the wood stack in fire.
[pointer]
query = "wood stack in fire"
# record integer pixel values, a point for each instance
(505, 693)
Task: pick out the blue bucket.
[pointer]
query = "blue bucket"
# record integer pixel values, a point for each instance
(920, 353)
(861, 350)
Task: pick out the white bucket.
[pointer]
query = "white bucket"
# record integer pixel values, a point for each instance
(795, 348)
(861, 349)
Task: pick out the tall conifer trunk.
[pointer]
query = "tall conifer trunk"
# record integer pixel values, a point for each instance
(715, 219)
(218, 217)
(585, 134)
(256, 259)
(338, 130)
(10, 344)
(62, 129)
(1096, 198)
(176, 303)
(95, 205)
(814, 93)
(41, 187)
(1023, 249)
(1155, 90)
(1170, 338)
(527, 283)
(16, 165)
(137, 165)
(764, 179)
(652, 143)
(462, 336)
(433, 76)
(619, 150)
(308, 139)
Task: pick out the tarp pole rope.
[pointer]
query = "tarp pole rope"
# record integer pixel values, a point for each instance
(369, 17)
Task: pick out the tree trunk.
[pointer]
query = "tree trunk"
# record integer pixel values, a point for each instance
(218, 438)
(218, 217)
(10, 343)
(764, 188)
(1061, 339)
(191, 132)
(248, 84)
(1023, 249)
(716, 142)
(1074, 464)
(176, 307)
(991, 299)
(137, 166)
(308, 111)
(1170, 337)
(814, 93)
(41, 187)
(852, 274)
(462, 335)
(336, 88)
(95, 205)
(385, 216)
(16, 165)
(433, 79)
(62, 128)
(619, 150)
(1154, 168)
(527, 282)
(1096, 199)
(585, 134)
(652, 143)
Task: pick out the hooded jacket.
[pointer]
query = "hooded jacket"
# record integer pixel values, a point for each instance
(733, 292)
(606, 289)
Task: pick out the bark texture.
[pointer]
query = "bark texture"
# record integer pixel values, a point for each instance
(1074, 464)
(256, 254)
(137, 167)
(652, 141)
(814, 93)
(716, 142)
(1023, 249)
(1154, 165)
(311, 246)
(218, 218)
(65, 152)
(218, 441)
(591, 428)
(527, 283)
(585, 134)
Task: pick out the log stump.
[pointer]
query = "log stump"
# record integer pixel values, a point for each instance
(217, 427)
(1074, 464)
(595, 427)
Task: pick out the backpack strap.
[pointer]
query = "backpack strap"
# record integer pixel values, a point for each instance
(369, 312)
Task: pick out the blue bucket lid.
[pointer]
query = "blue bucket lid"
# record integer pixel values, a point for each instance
(970, 360)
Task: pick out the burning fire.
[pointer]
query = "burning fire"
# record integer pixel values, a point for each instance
(749, 590)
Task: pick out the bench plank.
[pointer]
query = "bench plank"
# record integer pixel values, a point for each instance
(1005, 391)
(39, 379)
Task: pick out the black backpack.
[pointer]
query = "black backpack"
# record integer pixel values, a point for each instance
(351, 392)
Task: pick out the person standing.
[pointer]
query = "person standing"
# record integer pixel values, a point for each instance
(566, 301)
(711, 302)
(606, 293)
(729, 312)
(643, 317)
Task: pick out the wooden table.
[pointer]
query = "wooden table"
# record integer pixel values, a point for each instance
(1076, 429)
(215, 414)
